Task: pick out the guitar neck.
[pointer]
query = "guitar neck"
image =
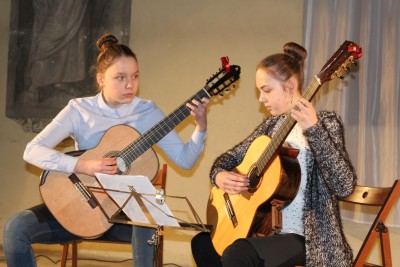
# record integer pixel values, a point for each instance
(159, 130)
(284, 130)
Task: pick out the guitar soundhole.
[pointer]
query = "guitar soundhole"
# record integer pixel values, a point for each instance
(123, 167)
(254, 180)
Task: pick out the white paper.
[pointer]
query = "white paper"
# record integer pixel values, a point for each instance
(142, 185)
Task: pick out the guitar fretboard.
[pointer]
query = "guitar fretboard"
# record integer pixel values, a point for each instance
(159, 130)
(284, 130)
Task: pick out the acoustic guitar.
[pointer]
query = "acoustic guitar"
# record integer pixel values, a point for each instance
(82, 211)
(242, 215)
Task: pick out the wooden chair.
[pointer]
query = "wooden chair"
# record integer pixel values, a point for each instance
(385, 197)
(160, 182)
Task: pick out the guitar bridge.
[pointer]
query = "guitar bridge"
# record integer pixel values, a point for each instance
(82, 190)
(229, 210)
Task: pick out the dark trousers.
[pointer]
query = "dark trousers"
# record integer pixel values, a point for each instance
(270, 251)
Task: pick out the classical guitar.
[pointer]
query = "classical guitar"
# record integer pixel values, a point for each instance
(266, 164)
(82, 211)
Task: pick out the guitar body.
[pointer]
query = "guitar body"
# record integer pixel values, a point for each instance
(280, 181)
(70, 207)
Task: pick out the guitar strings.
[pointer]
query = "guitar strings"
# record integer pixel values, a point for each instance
(283, 131)
(159, 130)
(141, 145)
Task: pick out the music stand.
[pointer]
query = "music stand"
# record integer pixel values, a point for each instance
(149, 206)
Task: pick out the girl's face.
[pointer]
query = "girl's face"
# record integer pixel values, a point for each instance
(120, 81)
(275, 97)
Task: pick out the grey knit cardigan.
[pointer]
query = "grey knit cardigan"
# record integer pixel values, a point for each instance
(330, 176)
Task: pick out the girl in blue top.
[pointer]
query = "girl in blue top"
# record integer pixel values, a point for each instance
(86, 120)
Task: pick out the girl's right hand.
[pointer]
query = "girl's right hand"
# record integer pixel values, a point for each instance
(90, 167)
(231, 182)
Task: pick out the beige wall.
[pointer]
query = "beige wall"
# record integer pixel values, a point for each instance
(178, 44)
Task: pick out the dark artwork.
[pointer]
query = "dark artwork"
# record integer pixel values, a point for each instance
(51, 51)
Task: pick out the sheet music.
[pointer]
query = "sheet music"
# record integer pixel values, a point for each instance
(142, 185)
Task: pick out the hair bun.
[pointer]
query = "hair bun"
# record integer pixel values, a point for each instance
(105, 41)
(295, 51)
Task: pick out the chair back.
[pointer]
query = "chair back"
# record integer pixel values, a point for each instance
(365, 195)
(385, 197)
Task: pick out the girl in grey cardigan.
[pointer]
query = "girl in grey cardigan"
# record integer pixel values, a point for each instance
(312, 233)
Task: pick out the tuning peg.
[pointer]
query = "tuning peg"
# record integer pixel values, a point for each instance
(339, 76)
(347, 69)
(221, 94)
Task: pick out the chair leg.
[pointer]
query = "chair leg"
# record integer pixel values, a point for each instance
(74, 254)
(160, 247)
(385, 246)
(64, 255)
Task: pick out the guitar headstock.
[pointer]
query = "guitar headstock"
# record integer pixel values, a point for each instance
(223, 79)
(347, 53)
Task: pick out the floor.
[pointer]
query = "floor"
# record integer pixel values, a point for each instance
(178, 255)
(50, 256)
(90, 254)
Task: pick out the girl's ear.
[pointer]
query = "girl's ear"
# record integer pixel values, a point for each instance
(100, 80)
(292, 85)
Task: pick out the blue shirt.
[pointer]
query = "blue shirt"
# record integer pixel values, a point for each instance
(87, 119)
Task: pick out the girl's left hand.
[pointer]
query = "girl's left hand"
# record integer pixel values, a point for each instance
(304, 113)
(198, 110)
